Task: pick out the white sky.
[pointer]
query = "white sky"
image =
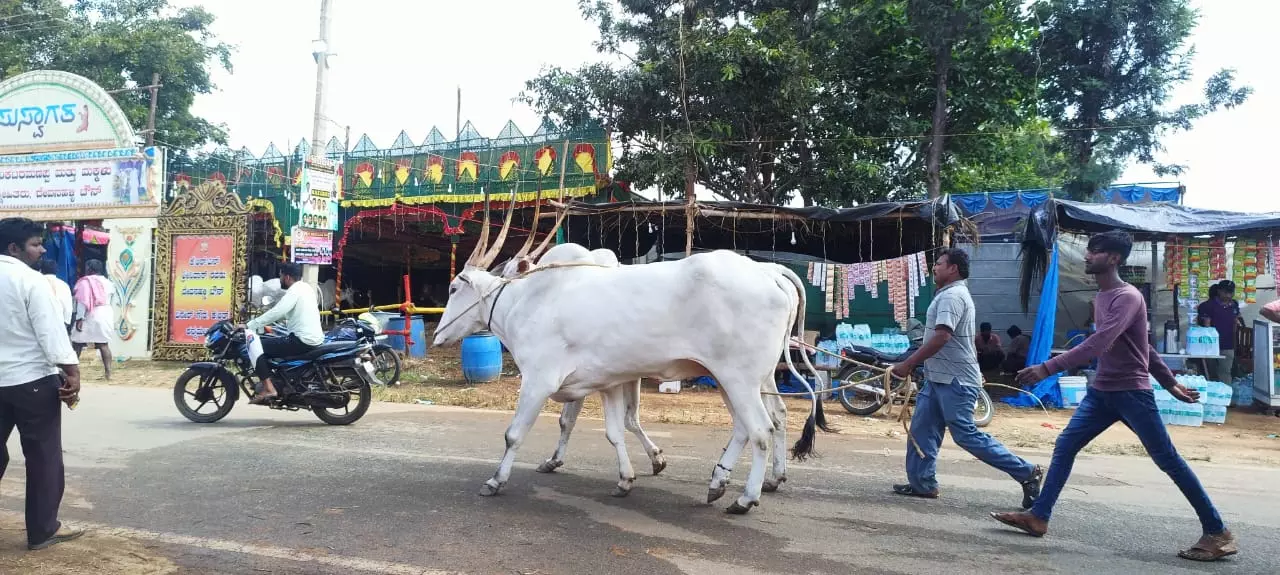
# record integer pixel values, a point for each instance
(399, 63)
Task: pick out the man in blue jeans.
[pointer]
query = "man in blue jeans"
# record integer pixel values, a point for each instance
(954, 381)
(1121, 391)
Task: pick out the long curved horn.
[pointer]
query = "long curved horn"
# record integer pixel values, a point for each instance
(550, 235)
(479, 251)
(533, 229)
(502, 234)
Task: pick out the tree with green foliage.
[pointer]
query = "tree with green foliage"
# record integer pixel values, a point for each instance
(1107, 70)
(833, 102)
(120, 44)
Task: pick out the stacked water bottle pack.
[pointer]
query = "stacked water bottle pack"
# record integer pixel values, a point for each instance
(1202, 341)
(1216, 402)
(1242, 391)
(1214, 398)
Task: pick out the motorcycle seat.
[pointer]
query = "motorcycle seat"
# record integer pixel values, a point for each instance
(322, 349)
(878, 355)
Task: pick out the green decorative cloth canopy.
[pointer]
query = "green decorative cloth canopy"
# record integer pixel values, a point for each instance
(453, 175)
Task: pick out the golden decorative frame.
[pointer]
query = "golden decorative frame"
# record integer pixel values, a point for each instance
(207, 209)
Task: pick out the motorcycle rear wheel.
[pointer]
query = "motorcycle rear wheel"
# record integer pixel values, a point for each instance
(348, 415)
(856, 401)
(983, 410)
(386, 364)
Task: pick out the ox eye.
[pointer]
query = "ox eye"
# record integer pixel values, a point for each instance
(453, 290)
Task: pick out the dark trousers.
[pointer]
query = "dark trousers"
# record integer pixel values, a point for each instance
(278, 347)
(35, 410)
(1136, 409)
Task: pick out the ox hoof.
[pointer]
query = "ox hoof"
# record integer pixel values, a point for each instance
(772, 485)
(549, 466)
(739, 509)
(620, 491)
(489, 490)
(659, 464)
(715, 493)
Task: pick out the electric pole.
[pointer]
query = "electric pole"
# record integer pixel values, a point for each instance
(320, 51)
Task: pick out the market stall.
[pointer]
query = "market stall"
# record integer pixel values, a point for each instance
(1186, 250)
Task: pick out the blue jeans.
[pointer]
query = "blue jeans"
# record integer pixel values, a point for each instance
(940, 407)
(1136, 409)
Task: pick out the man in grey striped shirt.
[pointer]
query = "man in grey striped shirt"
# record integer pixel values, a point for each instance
(951, 387)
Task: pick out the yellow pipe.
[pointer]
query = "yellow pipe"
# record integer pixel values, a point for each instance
(395, 307)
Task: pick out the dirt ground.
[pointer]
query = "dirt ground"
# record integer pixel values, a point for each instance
(92, 554)
(1247, 437)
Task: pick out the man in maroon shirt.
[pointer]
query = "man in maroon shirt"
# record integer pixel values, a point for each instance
(1222, 312)
(1121, 391)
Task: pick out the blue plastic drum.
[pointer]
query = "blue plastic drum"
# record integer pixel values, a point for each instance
(481, 357)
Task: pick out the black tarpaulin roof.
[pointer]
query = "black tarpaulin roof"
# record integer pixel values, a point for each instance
(1147, 221)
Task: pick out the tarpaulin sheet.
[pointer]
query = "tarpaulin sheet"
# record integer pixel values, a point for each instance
(1143, 220)
(1042, 341)
(1000, 215)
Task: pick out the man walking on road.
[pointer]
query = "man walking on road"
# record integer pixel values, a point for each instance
(33, 347)
(951, 387)
(1121, 391)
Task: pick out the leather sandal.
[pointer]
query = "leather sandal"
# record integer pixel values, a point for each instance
(1211, 548)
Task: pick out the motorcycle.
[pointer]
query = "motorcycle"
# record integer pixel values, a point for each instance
(368, 330)
(866, 398)
(333, 380)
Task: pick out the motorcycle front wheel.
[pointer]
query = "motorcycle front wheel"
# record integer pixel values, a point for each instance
(214, 387)
(358, 396)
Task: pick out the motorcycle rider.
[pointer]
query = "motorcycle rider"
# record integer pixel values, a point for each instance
(300, 312)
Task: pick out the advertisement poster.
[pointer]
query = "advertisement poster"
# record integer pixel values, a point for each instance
(319, 200)
(74, 179)
(202, 290)
(312, 246)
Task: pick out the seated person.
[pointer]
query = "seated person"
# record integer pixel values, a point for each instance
(988, 344)
(1015, 357)
(300, 312)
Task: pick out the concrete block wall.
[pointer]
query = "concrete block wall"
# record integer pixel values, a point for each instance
(994, 269)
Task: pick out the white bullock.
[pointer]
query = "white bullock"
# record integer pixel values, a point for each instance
(579, 328)
(630, 392)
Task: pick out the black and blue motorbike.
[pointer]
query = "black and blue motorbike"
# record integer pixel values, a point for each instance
(333, 380)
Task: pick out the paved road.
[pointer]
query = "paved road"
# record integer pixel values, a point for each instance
(265, 492)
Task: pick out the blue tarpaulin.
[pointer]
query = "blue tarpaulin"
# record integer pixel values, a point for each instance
(1042, 341)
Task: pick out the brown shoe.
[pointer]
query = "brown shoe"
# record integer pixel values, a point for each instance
(63, 534)
(1211, 547)
(1023, 521)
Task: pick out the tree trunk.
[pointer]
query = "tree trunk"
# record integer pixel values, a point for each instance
(942, 67)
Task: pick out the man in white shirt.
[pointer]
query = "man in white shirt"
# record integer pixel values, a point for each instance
(33, 348)
(61, 291)
(300, 312)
